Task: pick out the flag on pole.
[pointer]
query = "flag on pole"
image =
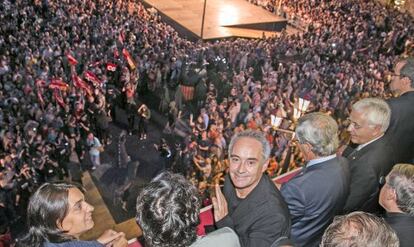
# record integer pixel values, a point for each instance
(79, 83)
(129, 59)
(58, 97)
(71, 59)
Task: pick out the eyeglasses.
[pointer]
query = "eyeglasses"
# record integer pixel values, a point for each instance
(354, 124)
(396, 75)
(358, 126)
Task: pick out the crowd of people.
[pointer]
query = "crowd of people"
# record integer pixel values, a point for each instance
(69, 68)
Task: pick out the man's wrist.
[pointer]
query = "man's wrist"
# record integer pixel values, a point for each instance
(225, 221)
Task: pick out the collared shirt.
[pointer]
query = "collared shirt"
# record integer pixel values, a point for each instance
(366, 144)
(320, 160)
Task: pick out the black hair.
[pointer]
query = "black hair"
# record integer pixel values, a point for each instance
(47, 208)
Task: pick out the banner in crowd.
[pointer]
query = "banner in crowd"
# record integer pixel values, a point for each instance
(58, 84)
(129, 59)
(188, 92)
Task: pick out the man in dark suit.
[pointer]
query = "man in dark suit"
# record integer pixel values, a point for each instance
(373, 158)
(401, 130)
(251, 203)
(397, 198)
(318, 193)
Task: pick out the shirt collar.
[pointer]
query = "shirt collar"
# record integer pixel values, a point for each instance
(320, 160)
(366, 144)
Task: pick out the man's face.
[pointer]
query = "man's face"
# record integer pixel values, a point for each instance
(398, 81)
(90, 136)
(79, 217)
(360, 130)
(246, 165)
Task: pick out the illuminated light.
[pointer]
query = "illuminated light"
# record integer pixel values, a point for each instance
(228, 15)
(275, 121)
(399, 4)
(300, 108)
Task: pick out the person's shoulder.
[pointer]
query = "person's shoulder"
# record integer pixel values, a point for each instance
(395, 101)
(74, 244)
(223, 237)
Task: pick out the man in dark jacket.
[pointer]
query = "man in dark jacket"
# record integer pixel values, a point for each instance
(373, 158)
(251, 203)
(401, 130)
(397, 198)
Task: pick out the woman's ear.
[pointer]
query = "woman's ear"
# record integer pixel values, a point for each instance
(59, 224)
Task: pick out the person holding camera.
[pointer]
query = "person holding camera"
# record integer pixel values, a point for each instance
(144, 114)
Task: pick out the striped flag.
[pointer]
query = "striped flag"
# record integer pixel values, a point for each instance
(58, 84)
(188, 92)
(129, 59)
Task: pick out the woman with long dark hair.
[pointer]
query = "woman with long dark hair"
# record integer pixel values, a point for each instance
(58, 214)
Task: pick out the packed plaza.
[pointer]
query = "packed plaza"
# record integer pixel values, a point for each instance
(71, 69)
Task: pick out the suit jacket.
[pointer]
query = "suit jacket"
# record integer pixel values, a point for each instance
(401, 129)
(260, 218)
(369, 166)
(221, 237)
(403, 225)
(314, 197)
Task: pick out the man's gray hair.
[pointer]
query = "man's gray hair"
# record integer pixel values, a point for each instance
(375, 110)
(359, 229)
(408, 69)
(401, 179)
(320, 131)
(253, 134)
